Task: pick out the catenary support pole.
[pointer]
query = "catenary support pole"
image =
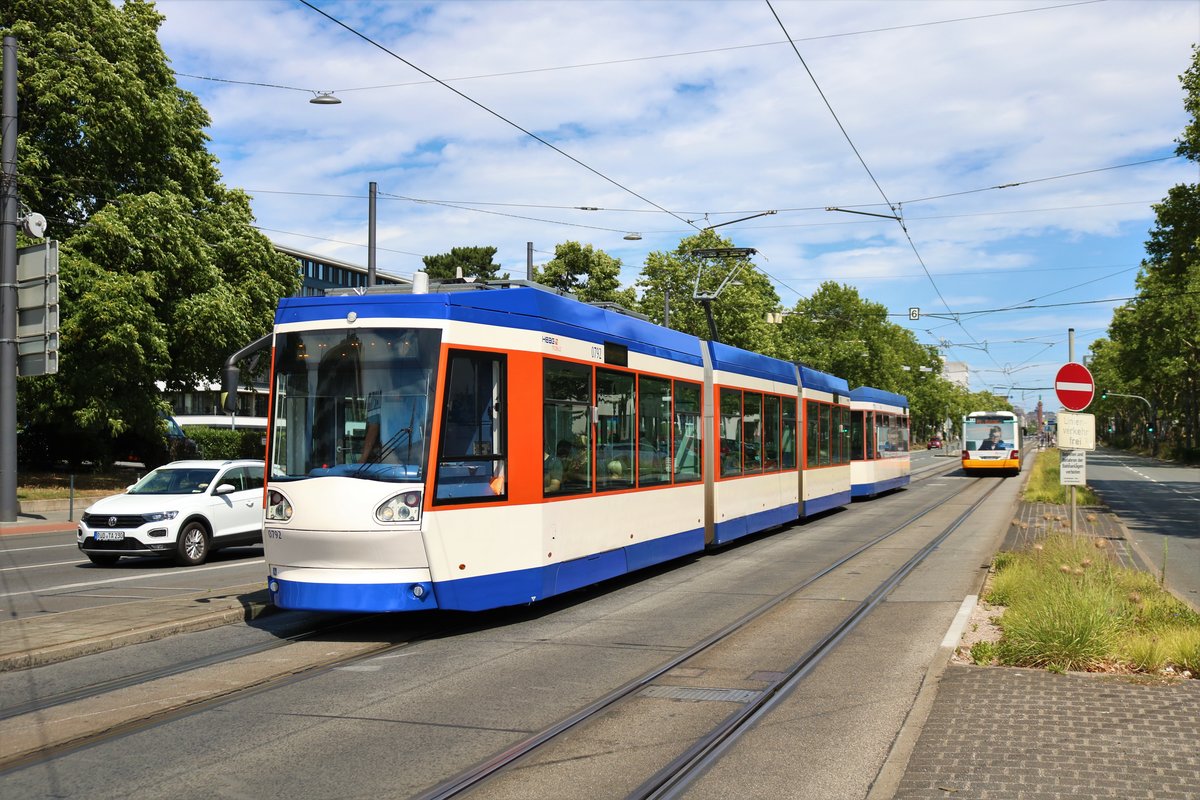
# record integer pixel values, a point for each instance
(371, 237)
(8, 285)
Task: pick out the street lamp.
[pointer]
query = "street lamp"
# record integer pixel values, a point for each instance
(325, 99)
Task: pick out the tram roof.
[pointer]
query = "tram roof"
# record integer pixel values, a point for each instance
(520, 307)
(822, 381)
(870, 395)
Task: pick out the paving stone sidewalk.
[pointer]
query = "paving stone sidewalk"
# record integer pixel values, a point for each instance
(1023, 734)
(1001, 733)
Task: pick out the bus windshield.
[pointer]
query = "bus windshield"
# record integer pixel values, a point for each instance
(357, 404)
(989, 433)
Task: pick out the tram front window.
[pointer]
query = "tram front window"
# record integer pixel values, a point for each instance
(357, 404)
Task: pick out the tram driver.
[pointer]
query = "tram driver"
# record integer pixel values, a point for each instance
(396, 392)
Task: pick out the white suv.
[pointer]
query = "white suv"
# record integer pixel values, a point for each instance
(185, 509)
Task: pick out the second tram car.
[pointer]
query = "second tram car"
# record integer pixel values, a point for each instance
(879, 441)
(991, 442)
(495, 444)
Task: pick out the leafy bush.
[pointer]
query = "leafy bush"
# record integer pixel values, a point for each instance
(226, 444)
(983, 653)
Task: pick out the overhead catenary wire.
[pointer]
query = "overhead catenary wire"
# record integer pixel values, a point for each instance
(495, 114)
(895, 208)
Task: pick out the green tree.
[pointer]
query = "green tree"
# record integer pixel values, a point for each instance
(162, 273)
(476, 262)
(1153, 347)
(100, 114)
(592, 275)
(837, 331)
(740, 312)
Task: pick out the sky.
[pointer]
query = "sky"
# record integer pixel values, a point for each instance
(1022, 145)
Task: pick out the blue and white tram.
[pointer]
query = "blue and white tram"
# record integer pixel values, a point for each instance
(879, 441)
(826, 474)
(488, 446)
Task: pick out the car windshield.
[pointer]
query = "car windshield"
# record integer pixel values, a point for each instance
(175, 480)
(356, 405)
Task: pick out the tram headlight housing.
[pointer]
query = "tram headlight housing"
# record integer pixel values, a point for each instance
(278, 507)
(403, 507)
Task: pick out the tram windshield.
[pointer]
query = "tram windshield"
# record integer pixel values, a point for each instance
(356, 404)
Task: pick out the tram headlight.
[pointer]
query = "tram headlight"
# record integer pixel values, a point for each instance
(404, 507)
(278, 506)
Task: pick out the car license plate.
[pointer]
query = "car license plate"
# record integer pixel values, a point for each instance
(109, 536)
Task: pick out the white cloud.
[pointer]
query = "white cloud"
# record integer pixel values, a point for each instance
(734, 127)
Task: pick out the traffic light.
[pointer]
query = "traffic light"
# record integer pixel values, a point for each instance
(1104, 394)
(1149, 427)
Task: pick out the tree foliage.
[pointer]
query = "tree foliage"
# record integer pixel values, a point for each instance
(475, 262)
(591, 275)
(1153, 344)
(162, 274)
(740, 311)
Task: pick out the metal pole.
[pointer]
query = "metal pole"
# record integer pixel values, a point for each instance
(1071, 358)
(529, 261)
(666, 306)
(8, 286)
(371, 237)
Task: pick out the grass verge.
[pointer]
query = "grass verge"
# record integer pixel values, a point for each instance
(58, 485)
(1043, 485)
(1070, 606)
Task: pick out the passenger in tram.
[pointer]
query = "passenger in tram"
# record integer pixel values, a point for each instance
(552, 471)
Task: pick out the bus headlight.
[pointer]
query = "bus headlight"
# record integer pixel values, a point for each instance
(404, 507)
(278, 507)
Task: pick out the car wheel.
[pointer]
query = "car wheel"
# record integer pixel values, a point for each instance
(192, 547)
(102, 560)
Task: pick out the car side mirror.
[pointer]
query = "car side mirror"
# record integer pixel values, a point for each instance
(225, 488)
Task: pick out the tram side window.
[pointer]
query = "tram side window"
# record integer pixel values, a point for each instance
(788, 444)
(686, 458)
(752, 432)
(615, 431)
(566, 428)
(812, 417)
(856, 435)
(654, 430)
(731, 433)
(472, 458)
(825, 436)
(843, 430)
(770, 437)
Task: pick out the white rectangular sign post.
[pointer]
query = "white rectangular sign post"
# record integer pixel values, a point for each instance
(1076, 431)
(1072, 470)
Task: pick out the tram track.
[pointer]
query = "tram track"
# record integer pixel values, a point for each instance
(308, 671)
(673, 778)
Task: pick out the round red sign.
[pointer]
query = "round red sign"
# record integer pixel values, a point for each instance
(1074, 386)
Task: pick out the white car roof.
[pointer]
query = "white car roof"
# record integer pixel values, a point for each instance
(212, 463)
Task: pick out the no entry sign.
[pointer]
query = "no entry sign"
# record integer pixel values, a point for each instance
(1074, 386)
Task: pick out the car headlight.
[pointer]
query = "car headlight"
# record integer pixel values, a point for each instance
(160, 516)
(278, 506)
(405, 507)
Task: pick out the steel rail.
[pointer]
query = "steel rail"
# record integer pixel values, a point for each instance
(472, 777)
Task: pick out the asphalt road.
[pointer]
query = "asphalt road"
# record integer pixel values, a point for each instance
(1160, 506)
(393, 724)
(46, 573)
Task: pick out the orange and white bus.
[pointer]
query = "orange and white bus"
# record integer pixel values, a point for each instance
(991, 442)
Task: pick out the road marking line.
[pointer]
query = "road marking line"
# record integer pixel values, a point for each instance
(142, 577)
(48, 564)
